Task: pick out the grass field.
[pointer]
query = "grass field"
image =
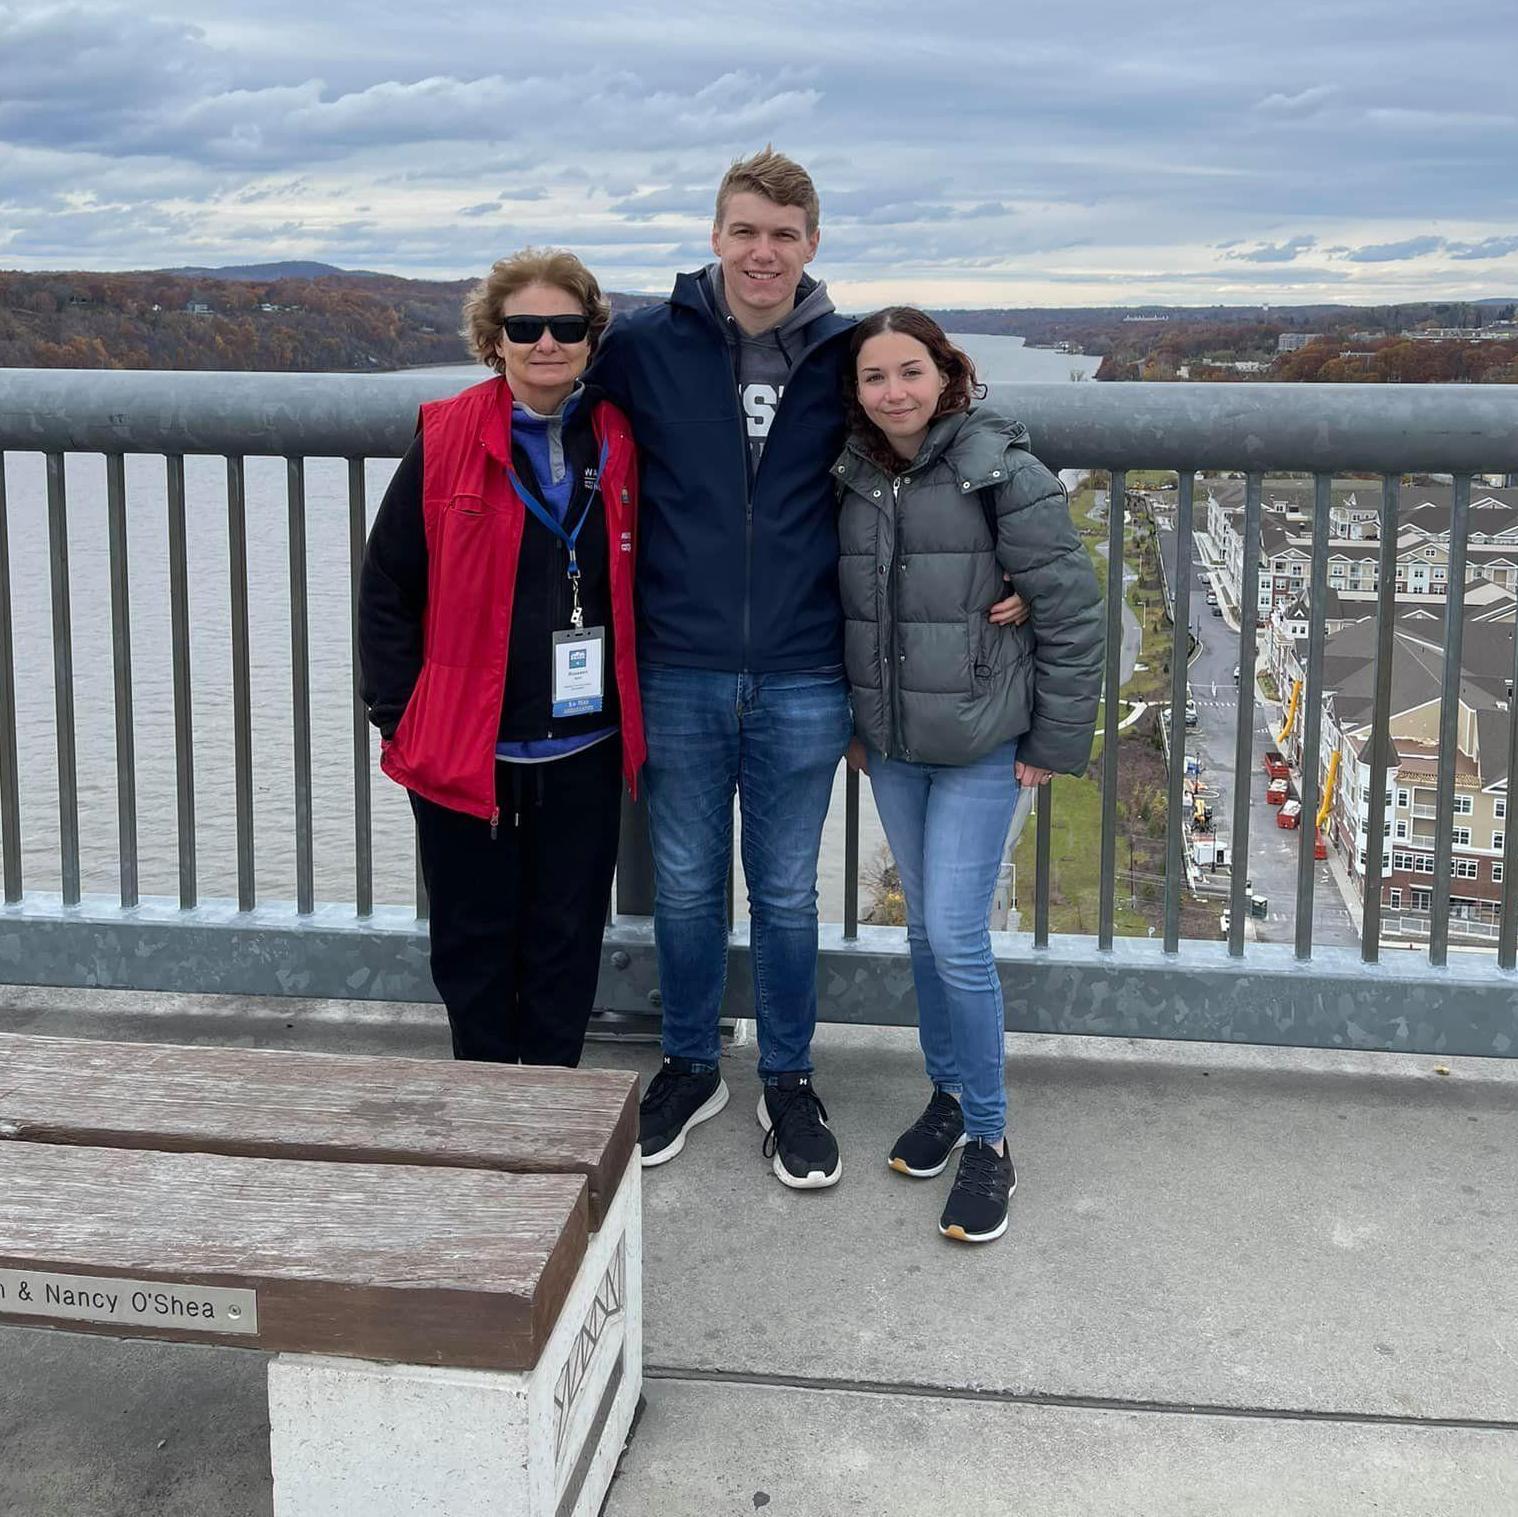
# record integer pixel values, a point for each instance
(1075, 861)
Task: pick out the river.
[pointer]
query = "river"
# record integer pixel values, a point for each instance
(998, 358)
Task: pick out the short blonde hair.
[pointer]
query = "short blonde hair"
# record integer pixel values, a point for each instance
(556, 266)
(776, 177)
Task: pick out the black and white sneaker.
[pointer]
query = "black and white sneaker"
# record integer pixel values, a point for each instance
(797, 1137)
(677, 1100)
(976, 1211)
(923, 1150)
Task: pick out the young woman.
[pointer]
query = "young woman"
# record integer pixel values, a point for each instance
(496, 639)
(954, 711)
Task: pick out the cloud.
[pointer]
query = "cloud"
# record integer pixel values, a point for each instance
(1439, 121)
(1490, 247)
(1282, 252)
(1394, 252)
(1304, 103)
(170, 131)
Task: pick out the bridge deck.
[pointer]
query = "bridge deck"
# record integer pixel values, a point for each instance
(1237, 1279)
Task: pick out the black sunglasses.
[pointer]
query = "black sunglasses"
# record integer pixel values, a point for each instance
(527, 329)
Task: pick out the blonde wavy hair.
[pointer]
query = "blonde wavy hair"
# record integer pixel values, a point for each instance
(556, 266)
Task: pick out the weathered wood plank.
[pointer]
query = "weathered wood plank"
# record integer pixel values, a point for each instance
(418, 1266)
(354, 1108)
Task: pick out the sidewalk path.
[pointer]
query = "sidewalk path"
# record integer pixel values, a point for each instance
(1227, 1287)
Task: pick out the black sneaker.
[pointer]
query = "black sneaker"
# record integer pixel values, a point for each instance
(677, 1099)
(923, 1150)
(976, 1211)
(798, 1140)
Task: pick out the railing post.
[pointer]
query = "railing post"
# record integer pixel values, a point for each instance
(635, 861)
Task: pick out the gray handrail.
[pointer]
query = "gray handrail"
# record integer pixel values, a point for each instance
(1397, 429)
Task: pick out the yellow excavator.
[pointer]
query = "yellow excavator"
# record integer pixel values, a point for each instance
(1291, 710)
(1328, 788)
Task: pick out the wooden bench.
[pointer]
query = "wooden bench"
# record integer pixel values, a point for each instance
(444, 1259)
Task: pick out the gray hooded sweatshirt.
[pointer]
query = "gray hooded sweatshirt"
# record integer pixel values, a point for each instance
(762, 363)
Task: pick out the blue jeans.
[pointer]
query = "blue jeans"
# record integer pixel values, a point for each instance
(776, 739)
(947, 826)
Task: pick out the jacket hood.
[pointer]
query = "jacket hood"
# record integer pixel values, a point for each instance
(976, 443)
(703, 291)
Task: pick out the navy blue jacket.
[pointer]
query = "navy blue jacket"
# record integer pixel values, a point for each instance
(733, 574)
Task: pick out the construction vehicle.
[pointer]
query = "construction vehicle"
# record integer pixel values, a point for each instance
(1201, 815)
(1291, 710)
(1328, 789)
(1275, 764)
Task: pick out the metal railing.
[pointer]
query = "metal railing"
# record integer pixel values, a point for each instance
(1106, 983)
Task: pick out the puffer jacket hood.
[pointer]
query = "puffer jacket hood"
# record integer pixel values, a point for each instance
(933, 681)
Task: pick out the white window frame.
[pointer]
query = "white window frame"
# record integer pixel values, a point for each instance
(1396, 898)
(1499, 808)
(1465, 869)
(1496, 871)
(1499, 838)
(1402, 831)
(1465, 805)
(1462, 837)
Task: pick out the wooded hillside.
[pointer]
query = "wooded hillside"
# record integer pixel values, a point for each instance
(169, 321)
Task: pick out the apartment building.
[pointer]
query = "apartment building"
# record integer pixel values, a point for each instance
(1481, 761)
(1423, 534)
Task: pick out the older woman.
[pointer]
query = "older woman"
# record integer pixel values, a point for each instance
(496, 641)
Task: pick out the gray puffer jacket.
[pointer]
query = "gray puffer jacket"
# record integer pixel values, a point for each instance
(932, 680)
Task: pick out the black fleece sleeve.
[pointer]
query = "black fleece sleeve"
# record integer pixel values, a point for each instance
(608, 369)
(392, 597)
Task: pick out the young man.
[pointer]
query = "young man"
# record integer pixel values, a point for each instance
(734, 391)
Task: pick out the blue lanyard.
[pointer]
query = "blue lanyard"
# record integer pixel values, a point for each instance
(544, 515)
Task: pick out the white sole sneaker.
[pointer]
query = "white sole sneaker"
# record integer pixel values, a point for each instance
(959, 1235)
(815, 1179)
(900, 1165)
(708, 1109)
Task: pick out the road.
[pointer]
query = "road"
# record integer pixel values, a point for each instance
(1272, 849)
(1132, 633)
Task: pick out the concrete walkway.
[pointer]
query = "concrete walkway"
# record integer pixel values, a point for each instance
(1237, 1280)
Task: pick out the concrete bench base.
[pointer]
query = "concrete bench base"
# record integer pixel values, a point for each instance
(350, 1438)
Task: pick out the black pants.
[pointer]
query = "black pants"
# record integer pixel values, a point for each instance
(517, 920)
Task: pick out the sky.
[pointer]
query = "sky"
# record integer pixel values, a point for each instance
(973, 154)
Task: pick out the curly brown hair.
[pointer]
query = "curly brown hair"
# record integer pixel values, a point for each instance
(555, 266)
(956, 367)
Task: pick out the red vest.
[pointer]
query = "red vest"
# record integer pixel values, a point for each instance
(444, 747)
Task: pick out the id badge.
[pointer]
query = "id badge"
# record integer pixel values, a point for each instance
(579, 671)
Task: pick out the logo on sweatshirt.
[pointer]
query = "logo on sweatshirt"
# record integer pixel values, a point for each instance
(759, 402)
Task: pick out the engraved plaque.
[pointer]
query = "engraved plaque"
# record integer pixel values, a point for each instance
(134, 1303)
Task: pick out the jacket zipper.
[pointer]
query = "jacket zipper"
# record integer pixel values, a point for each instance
(896, 482)
(750, 473)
